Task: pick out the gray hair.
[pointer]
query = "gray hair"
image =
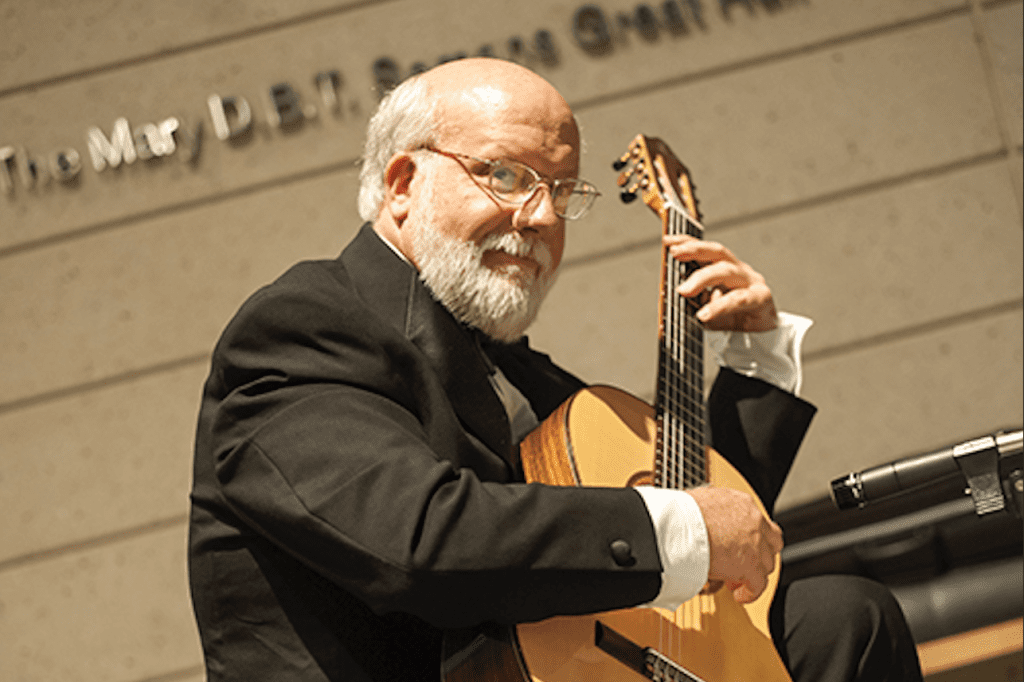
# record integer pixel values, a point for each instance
(404, 121)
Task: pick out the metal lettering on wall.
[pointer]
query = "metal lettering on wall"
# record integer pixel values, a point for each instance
(593, 31)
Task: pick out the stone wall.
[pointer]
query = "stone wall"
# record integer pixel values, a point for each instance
(866, 156)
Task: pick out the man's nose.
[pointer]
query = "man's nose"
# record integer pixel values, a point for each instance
(538, 211)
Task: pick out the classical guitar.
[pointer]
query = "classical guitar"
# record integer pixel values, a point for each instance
(602, 436)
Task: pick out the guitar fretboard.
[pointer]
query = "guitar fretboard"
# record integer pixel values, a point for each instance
(679, 402)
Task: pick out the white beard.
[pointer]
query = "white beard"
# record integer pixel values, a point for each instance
(500, 302)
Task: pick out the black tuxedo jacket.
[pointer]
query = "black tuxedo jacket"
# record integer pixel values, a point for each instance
(356, 489)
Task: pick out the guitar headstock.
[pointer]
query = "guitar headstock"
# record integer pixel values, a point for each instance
(649, 168)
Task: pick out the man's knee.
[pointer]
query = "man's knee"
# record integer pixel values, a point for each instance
(849, 601)
(847, 623)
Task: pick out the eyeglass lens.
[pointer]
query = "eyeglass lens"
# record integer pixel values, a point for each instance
(571, 198)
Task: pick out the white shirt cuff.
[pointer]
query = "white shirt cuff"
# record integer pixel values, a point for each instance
(772, 356)
(682, 544)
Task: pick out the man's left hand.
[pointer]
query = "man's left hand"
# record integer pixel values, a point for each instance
(739, 300)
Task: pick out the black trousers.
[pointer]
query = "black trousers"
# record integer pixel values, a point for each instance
(841, 628)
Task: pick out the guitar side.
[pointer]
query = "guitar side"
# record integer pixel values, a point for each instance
(605, 437)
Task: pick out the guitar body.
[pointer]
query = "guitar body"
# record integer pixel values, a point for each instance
(605, 437)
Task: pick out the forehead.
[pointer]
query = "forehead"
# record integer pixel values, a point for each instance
(535, 127)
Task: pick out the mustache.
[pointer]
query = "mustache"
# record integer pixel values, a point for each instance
(515, 244)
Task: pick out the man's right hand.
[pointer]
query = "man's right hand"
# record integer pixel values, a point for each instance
(743, 541)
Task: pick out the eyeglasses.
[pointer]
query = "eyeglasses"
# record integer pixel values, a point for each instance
(515, 182)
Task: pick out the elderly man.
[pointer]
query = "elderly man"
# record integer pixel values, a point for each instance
(358, 488)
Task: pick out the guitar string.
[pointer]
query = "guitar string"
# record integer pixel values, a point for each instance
(681, 373)
(666, 386)
(671, 399)
(682, 410)
(679, 412)
(692, 347)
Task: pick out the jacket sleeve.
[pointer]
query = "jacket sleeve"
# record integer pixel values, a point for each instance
(758, 428)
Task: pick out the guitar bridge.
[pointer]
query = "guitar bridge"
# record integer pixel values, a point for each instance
(649, 662)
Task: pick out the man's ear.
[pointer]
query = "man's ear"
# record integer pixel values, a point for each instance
(398, 177)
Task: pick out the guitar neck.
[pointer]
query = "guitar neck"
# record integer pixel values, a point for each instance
(680, 460)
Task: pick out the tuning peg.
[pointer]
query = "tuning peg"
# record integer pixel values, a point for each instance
(619, 164)
(627, 196)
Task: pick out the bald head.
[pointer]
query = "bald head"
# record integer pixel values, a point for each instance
(487, 256)
(464, 98)
(475, 93)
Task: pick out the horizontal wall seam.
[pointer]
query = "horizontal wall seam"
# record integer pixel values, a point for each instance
(106, 382)
(180, 674)
(992, 4)
(178, 207)
(314, 16)
(190, 47)
(178, 520)
(770, 58)
(867, 188)
(900, 334)
(971, 317)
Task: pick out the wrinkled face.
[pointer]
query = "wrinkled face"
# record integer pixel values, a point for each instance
(490, 262)
(535, 128)
(501, 301)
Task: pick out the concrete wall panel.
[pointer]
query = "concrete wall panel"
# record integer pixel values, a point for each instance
(98, 463)
(49, 40)
(611, 308)
(908, 397)
(736, 38)
(803, 129)
(1002, 26)
(117, 613)
(898, 258)
(122, 300)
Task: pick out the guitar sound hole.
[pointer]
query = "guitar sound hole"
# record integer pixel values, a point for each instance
(640, 478)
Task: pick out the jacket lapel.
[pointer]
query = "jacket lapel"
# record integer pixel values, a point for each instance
(394, 288)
